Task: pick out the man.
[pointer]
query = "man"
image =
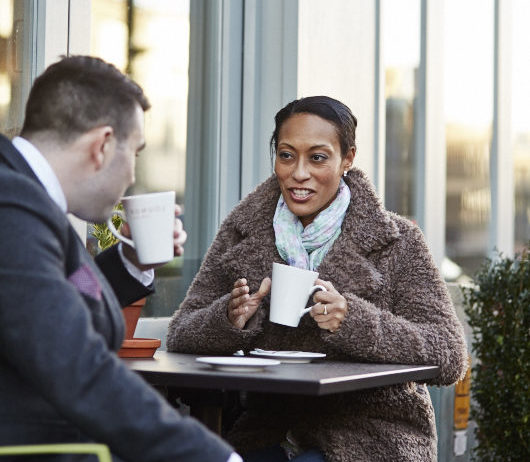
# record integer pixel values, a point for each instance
(60, 319)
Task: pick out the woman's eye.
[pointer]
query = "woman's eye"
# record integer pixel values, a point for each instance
(319, 157)
(284, 155)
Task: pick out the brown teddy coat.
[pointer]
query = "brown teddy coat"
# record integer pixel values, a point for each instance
(399, 311)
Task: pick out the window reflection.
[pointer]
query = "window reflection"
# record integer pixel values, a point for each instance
(521, 121)
(400, 25)
(149, 40)
(15, 63)
(468, 93)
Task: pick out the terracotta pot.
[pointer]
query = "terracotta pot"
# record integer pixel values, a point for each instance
(131, 314)
(136, 347)
(139, 348)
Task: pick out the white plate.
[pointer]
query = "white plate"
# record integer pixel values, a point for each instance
(237, 364)
(288, 356)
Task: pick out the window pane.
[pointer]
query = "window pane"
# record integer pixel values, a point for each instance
(149, 40)
(521, 121)
(468, 94)
(15, 64)
(400, 26)
(336, 58)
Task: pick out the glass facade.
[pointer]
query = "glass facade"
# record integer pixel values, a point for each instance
(16, 49)
(400, 27)
(521, 122)
(149, 40)
(468, 109)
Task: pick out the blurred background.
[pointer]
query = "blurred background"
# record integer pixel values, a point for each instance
(440, 88)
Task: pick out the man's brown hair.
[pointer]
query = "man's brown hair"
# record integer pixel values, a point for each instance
(79, 93)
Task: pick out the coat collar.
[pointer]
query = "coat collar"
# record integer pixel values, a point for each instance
(369, 226)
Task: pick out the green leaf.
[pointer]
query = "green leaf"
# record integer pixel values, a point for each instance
(101, 231)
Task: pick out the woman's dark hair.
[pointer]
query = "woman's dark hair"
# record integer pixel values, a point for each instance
(322, 106)
(79, 93)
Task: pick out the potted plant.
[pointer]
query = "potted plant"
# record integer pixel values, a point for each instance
(106, 239)
(498, 310)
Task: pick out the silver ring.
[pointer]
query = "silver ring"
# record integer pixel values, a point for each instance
(325, 309)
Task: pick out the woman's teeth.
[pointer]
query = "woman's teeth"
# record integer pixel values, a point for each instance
(301, 193)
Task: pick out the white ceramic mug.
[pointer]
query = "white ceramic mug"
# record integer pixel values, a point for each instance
(151, 218)
(291, 288)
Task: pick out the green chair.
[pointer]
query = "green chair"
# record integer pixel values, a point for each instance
(100, 450)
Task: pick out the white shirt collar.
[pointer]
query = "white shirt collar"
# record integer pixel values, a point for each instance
(42, 170)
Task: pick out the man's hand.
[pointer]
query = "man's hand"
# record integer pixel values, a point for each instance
(179, 238)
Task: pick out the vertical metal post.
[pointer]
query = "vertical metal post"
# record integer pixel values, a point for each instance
(379, 107)
(430, 141)
(501, 158)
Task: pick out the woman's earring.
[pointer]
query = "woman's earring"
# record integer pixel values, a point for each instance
(345, 173)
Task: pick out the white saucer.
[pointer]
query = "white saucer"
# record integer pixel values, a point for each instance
(237, 364)
(288, 356)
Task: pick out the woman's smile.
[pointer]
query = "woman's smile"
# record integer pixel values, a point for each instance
(301, 195)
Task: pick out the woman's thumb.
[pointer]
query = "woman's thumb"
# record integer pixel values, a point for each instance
(264, 288)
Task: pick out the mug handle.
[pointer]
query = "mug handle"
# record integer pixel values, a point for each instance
(313, 289)
(114, 231)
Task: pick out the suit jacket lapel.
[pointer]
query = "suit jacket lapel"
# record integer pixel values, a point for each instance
(76, 256)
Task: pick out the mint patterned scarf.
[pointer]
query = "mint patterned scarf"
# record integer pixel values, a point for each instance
(306, 247)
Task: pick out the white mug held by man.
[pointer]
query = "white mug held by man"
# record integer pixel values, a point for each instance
(151, 218)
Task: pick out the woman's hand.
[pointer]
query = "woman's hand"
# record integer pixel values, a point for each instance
(330, 307)
(242, 306)
(179, 237)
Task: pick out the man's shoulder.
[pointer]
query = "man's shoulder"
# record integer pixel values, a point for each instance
(21, 194)
(18, 187)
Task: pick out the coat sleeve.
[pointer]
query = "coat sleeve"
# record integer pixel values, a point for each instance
(49, 343)
(200, 325)
(126, 287)
(420, 327)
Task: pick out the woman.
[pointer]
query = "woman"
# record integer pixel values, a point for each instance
(385, 300)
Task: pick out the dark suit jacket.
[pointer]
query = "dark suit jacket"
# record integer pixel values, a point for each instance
(60, 381)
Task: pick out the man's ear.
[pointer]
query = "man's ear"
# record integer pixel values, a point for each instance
(100, 143)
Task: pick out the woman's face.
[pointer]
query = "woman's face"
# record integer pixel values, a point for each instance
(309, 164)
